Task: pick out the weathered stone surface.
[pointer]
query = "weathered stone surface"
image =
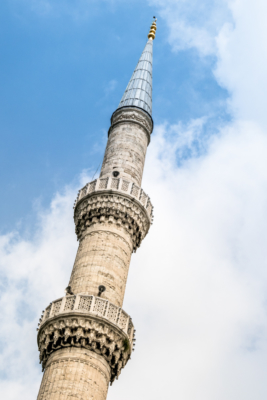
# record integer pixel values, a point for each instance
(103, 258)
(117, 186)
(129, 136)
(87, 322)
(74, 372)
(111, 222)
(84, 340)
(112, 209)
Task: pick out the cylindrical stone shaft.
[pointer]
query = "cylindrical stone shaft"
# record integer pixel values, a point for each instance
(75, 373)
(126, 151)
(104, 253)
(103, 258)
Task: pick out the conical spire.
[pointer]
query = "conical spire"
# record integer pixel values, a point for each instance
(139, 90)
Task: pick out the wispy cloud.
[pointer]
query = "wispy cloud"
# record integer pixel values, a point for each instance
(234, 33)
(194, 24)
(111, 86)
(32, 272)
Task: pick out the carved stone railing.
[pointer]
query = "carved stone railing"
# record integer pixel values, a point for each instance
(89, 322)
(90, 304)
(118, 185)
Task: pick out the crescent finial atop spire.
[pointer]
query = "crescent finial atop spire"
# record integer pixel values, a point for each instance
(153, 28)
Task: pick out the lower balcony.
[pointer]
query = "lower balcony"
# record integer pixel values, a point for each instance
(90, 322)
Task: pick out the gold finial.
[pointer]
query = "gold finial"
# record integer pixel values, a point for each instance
(153, 28)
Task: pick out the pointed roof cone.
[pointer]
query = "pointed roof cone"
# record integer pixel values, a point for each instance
(139, 90)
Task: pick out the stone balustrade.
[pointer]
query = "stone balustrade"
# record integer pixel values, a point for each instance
(117, 185)
(93, 305)
(89, 322)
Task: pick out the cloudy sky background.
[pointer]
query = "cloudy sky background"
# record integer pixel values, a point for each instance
(197, 288)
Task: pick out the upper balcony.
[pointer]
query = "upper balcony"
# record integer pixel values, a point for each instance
(118, 185)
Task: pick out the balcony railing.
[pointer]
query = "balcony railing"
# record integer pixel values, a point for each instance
(119, 185)
(90, 305)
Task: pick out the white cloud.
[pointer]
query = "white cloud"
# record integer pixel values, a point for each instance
(33, 272)
(212, 278)
(242, 60)
(110, 87)
(235, 33)
(193, 24)
(197, 286)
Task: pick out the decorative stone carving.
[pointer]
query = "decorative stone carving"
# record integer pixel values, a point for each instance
(133, 115)
(94, 324)
(113, 210)
(121, 186)
(83, 303)
(104, 200)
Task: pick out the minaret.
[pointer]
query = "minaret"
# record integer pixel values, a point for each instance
(85, 338)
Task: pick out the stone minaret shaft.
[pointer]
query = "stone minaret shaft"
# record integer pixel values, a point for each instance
(85, 338)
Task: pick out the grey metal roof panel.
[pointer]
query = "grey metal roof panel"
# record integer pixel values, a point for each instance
(139, 89)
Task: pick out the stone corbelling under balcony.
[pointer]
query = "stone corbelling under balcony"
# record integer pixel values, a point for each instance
(114, 201)
(88, 322)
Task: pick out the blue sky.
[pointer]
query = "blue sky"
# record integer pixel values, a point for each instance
(197, 287)
(63, 72)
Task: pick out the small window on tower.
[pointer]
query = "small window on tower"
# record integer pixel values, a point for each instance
(115, 173)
